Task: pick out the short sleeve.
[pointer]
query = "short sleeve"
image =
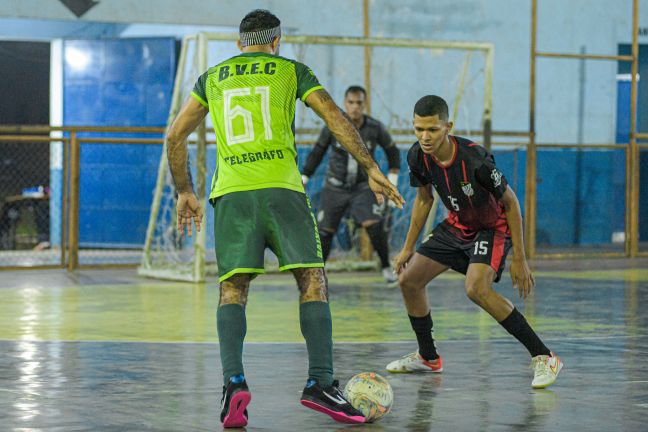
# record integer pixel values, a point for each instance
(307, 82)
(417, 179)
(491, 178)
(199, 91)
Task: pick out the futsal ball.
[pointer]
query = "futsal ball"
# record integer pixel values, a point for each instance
(370, 394)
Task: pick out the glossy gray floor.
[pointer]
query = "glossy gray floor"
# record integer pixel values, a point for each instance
(597, 325)
(173, 387)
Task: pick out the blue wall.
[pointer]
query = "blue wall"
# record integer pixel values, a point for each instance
(117, 82)
(580, 209)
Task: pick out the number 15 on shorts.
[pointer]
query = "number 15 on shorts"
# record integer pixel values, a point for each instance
(481, 248)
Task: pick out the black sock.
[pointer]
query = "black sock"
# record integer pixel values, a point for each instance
(518, 326)
(378, 238)
(422, 326)
(326, 238)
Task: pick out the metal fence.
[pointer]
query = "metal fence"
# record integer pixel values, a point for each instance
(47, 195)
(31, 178)
(60, 205)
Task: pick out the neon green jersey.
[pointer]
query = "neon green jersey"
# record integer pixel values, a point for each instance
(251, 99)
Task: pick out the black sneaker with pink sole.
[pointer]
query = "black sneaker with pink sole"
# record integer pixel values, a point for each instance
(330, 400)
(236, 397)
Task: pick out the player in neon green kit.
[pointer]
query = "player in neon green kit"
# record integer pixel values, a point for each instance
(259, 201)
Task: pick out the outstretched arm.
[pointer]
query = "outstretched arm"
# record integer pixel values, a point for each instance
(520, 274)
(188, 205)
(391, 151)
(349, 137)
(393, 155)
(420, 211)
(317, 154)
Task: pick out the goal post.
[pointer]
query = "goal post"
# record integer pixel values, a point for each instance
(467, 82)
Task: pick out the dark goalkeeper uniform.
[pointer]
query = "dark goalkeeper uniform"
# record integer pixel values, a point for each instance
(346, 186)
(470, 186)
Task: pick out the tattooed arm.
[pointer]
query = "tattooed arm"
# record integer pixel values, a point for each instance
(343, 130)
(348, 136)
(190, 116)
(188, 205)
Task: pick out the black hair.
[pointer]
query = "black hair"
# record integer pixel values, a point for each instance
(257, 20)
(431, 105)
(355, 89)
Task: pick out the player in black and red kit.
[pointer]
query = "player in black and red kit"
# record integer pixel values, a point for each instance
(484, 222)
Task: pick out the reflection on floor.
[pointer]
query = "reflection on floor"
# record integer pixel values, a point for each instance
(105, 350)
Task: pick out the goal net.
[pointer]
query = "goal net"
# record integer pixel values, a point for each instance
(400, 72)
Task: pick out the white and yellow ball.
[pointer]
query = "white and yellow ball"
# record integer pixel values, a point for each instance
(370, 394)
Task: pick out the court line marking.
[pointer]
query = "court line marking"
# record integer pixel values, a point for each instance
(556, 339)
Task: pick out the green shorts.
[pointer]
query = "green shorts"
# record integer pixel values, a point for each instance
(248, 222)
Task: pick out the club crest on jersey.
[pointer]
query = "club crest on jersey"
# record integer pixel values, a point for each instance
(497, 177)
(467, 189)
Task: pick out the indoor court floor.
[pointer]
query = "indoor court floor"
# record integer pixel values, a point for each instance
(105, 350)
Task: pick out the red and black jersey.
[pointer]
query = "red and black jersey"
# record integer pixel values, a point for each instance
(470, 186)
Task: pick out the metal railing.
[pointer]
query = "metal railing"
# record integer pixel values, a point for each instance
(70, 194)
(632, 171)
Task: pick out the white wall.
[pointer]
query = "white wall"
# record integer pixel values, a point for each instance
(563, 26)
(400, 77)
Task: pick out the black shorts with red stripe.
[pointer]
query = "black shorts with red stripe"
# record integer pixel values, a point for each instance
(485, 247)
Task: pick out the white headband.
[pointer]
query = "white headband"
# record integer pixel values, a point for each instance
(261, 37)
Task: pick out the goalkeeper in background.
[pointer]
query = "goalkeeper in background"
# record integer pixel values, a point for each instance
(346, 187)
